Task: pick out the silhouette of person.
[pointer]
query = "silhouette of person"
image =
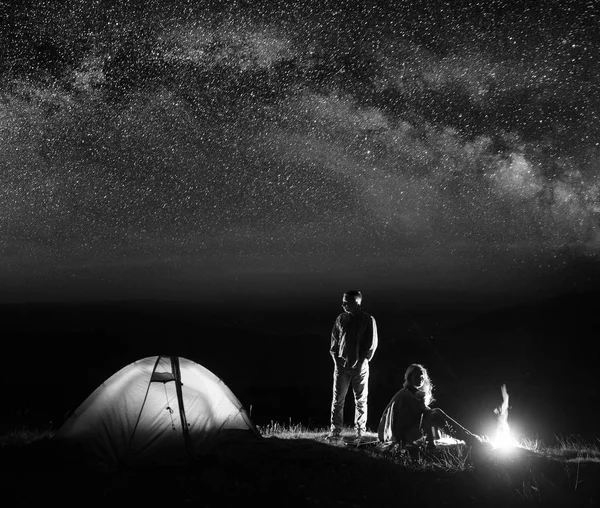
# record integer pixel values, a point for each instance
(408, 418)
(353, 344)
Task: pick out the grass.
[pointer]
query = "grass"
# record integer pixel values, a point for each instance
(23, 436)
(447, 458)
(294, 465)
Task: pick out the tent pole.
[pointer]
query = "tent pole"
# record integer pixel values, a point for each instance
(184, 425)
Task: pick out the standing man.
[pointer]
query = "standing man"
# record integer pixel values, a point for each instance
(353, 344)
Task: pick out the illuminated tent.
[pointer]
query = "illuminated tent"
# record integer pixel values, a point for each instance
(161, 410)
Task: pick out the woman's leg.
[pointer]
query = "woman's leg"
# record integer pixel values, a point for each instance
(432, 421)
(440, 420)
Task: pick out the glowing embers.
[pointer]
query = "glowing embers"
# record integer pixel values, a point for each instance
(503, 440)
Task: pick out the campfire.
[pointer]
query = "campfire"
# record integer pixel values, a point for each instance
(503, 440)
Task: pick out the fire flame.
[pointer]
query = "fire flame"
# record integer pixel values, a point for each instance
(504, 439)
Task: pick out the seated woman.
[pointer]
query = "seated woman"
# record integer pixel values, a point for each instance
(408, 415)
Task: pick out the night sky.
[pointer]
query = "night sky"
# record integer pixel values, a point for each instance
(194, 150)
(248, 162)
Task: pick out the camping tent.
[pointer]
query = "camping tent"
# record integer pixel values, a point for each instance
(162, 410)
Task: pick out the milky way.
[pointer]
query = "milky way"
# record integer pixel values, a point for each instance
(418, 144)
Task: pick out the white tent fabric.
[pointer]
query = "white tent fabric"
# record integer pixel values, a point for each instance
(143, 415)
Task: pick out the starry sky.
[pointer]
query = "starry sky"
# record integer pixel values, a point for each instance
(189, 150)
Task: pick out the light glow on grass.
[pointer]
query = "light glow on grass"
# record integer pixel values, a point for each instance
(448, 440)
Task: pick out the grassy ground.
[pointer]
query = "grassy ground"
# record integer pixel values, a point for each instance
(296, 466)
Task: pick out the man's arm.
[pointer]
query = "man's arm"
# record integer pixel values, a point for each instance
(374, 342)
(334, 347)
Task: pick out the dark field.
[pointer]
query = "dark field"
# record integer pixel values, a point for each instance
(299, 468)
(276, 359)
(276, 362)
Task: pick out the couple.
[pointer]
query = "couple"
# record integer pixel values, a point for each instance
(407, 419)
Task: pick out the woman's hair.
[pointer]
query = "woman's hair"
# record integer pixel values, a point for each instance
(427, 388)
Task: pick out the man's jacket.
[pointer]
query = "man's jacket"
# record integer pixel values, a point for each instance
(354, 338)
